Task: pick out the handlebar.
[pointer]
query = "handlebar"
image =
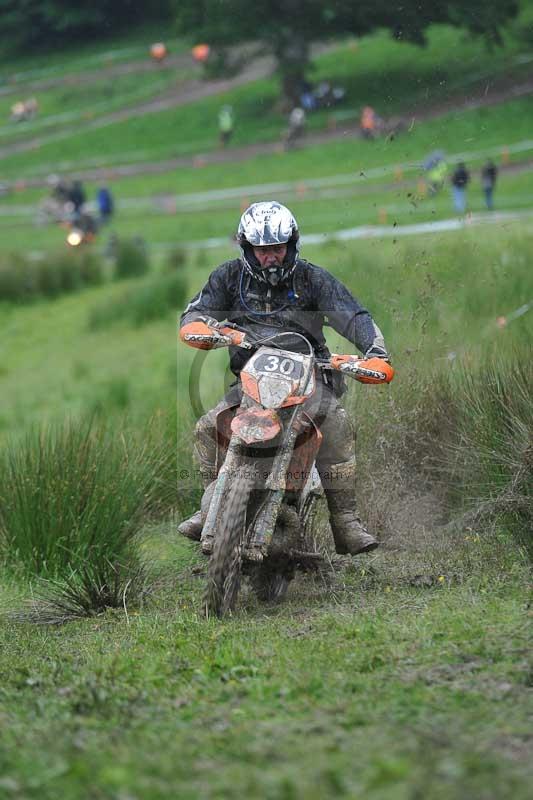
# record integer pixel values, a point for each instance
(210, 334)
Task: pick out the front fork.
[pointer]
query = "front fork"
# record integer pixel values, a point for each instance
(228, 467)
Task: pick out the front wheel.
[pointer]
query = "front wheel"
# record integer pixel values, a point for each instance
(224, 570)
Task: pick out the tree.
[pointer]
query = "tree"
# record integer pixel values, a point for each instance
(45, 23)
(287, 28)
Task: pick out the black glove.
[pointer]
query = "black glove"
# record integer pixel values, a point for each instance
(377, 352)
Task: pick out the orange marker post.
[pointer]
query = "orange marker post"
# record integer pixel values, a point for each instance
(200, 53)
(158, 51)
(421, 188)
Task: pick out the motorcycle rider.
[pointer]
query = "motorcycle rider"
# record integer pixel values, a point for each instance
(267, 290)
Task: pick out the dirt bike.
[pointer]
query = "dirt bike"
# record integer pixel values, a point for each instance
(261, 505)
(83, 230)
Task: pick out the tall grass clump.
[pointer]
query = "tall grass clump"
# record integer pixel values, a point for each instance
(151, 300)
(188, 475)
(131, 258)
(175, 259)
(72, 499)
(491, 461)
(462, 436)
(24, 279)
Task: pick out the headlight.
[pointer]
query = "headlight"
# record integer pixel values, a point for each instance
(74, 238)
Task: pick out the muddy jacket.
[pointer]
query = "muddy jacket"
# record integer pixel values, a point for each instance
(312, 299)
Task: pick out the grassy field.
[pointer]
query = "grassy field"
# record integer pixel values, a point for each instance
(448, 287)
(197, 125)
(73, 105)
(378, 192)
(401, 675)
(368, 687)
(385, 195)
(398, 676)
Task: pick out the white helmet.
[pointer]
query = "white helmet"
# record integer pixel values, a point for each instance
(268, 223)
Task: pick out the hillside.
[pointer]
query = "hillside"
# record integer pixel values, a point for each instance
(399, 675)
(462, 105)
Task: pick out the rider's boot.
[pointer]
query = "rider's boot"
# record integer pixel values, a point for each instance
(204, 454)
(349, 534)
(192, 527)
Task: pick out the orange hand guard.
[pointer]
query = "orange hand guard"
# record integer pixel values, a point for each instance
(237, 337)
(204, 337)
(370, 370)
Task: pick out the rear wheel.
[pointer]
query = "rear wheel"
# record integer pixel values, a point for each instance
(224, 570)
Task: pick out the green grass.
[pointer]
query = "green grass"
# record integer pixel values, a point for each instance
(20, 67)
(433, 294)
(196, 122)
(377, 690)
(71, 106)
(68, 371)
(394, 78)
(468, 132)
(25, 279)
(145, 303)
(324, 211)
(318, 209)
(492, 461)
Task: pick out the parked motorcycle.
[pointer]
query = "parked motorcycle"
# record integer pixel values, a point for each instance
(260, 507)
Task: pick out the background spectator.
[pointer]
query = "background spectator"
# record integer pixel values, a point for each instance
(296, 126)
(225, 124)
(489, 174)
(77, 198)
(368, 122)
(460, 179)
(105, 204)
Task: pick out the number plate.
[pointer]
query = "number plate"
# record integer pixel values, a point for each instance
(281, 365)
